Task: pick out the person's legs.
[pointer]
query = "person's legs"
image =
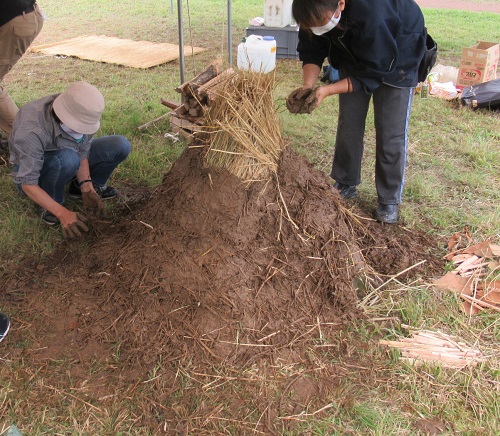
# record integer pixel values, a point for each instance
(346, 168)
(15, 38)
(59, 167)
(8, 111)
(392, 112)
(106, 153)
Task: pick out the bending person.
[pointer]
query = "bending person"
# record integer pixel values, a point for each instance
(377, 48)
(52, 145)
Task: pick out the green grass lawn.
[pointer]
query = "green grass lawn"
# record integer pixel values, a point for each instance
(453, 181)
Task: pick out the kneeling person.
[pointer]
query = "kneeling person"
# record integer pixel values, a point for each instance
(51, 145)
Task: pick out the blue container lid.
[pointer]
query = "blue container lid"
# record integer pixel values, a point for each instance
(268, 38)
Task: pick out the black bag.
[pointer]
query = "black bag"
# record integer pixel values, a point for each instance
(483, 95)
(429, 58)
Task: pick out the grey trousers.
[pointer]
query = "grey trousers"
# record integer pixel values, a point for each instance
(392, 112)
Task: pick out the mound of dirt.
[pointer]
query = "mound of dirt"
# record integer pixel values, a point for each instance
(207, 271)
(207, 256)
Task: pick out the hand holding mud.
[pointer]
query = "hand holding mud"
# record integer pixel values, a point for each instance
(92, 203)
(74, 229)
(302, 101)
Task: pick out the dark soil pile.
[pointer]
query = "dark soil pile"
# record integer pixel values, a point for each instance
(207, 271)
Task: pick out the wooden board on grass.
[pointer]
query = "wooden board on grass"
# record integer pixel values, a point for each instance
(136, 54)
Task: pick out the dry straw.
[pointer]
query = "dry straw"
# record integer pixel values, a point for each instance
(243, 128)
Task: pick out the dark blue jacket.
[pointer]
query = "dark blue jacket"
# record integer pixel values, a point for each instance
(376, 42)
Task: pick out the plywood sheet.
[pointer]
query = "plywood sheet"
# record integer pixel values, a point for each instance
(136, 54)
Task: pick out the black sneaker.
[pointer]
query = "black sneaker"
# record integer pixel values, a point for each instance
(346, 191)
(74, 190)
(4, 326)
(105, 192)
(387, 213)
(49, 218)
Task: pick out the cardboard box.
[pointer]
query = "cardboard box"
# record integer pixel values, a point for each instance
(478, 64)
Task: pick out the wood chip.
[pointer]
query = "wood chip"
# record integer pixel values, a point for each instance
(436, 347)
(455, 283)
(480, 303)
(454, 241)
(471, 309)
(483, 249)
(459, 258)
(493, 297)
(470, 261)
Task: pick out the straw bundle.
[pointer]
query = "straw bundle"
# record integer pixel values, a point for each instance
(243, 130)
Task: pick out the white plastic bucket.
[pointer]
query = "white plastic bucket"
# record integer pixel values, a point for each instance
(277, 13)
(257, 53)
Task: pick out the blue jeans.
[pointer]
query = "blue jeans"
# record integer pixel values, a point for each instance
(59, 167)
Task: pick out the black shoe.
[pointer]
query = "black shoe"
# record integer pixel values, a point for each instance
(346, 191)
(387, 213)
(49, 218)
(74, 190)
(105, 192)
(4, 326)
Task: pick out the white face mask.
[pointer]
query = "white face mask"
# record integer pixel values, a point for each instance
(75, 135)
(328, 26)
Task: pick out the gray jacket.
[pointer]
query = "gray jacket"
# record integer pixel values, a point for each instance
(36, 131)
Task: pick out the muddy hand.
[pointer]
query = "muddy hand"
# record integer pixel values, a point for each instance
(311, 102)
(92, 203)
(74, 230)
(296, 99)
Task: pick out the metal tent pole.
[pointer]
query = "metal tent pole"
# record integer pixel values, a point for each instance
(180, 25)
(230, 32)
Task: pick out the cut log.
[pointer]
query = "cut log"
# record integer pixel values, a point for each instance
(189, 137)
(185, 124)
(200, 121)
(212, 71)
(208, 89)
(170, 104)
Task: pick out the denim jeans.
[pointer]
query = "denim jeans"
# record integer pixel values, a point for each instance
(59, 167)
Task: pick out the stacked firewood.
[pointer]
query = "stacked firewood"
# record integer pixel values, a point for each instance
(188, 118)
